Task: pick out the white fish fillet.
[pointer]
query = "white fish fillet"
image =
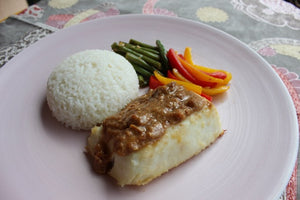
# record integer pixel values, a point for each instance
(180, 142)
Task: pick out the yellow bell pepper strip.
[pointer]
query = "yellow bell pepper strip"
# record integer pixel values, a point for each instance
(188, 55)
(179, 76)
(189, 86)
(200, 75)
(216, 90)
(228, 77)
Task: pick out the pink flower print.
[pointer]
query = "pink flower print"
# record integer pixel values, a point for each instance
(100, 14)
(58, 21)
(161, 11)
(149, 9)
(267, 51)
(292, 82)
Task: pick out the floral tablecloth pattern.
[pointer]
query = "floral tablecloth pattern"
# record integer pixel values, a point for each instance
(270, 27)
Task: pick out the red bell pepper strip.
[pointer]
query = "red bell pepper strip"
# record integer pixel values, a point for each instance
(218, 74)
(171, 75)
(154, 83)
(181, 56)
(208, 97)
(175, 62)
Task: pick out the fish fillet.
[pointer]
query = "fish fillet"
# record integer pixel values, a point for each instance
(179, 143)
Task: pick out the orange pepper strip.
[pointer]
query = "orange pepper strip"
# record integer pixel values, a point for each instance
(198, 74)
(188, 55)
(179, 76)
(215, 91)
(189, 86)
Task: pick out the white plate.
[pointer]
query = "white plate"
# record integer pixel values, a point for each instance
(40, 159)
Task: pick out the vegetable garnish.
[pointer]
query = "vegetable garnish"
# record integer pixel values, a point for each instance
(216, 90)
(171, 75)
(175, 63)
(145, 58)
(188, 55)
(190, 86)
(163, 56)
(198, 74)
(155, 67)
(154, 83)
(179, 76)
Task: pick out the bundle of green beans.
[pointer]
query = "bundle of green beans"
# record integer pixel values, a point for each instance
(145, 58)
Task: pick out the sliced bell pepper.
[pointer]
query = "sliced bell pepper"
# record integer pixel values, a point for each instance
(175, 63)
(154, 83)
(188, 55)
(216, 90)
(189, 86)
(228, 77)
(171, 75)
(181, 56)
(221, 74)
(179, 76)
(208, 97)
(217, 73)
(200, 75)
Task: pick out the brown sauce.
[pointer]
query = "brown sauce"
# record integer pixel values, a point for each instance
(145, 120)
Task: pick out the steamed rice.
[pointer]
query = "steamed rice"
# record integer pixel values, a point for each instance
(89, 86)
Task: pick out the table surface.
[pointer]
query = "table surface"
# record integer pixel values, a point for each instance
(270, 27)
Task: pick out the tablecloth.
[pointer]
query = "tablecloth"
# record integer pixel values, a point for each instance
(270, 27)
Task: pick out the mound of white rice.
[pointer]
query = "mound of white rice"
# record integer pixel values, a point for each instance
(89, 86)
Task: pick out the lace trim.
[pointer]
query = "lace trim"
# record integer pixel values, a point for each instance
(8, 52)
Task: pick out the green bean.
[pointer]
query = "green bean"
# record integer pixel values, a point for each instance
(152, 62)
(148, 60)
(115, 48)
(133, 59)
(142, 71)
(141, 51)
(164, 59)
(142, 81)
(141, 44)
(149, 50)
(123, 49)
